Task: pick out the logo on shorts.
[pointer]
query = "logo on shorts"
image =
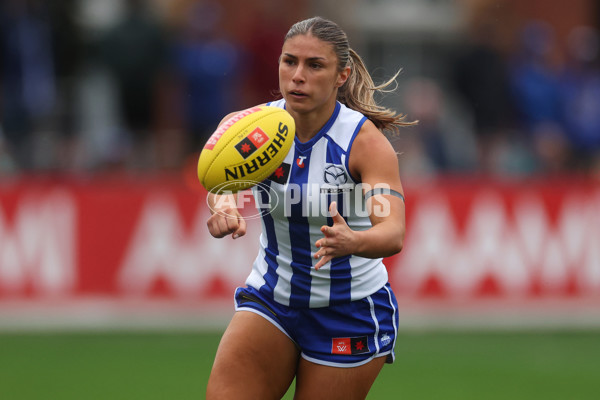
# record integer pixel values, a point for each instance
(385, 339)
(349, 346)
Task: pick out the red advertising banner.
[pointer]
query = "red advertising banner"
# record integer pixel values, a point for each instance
(145, 240)
(536, 239)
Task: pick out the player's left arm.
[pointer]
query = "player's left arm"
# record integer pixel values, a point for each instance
(374, 161)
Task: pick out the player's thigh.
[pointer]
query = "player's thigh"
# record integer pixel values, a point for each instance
(254, 360)
(315, 381)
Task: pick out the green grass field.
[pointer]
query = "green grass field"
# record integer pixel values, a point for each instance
(432, 365)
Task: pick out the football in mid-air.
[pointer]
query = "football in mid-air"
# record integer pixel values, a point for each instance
(246, 149)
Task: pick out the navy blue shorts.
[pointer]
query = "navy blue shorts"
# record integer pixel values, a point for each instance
(343, 335)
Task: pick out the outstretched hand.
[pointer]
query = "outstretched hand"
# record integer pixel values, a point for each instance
(339, 239)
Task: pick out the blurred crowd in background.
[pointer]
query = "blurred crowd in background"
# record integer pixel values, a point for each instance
(138, 85)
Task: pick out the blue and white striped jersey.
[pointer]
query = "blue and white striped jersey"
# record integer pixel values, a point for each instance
(295, 203)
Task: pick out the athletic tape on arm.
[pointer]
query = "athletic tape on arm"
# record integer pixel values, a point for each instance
(391, 192)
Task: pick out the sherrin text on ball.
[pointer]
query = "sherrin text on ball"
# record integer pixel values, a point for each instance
(246, 149)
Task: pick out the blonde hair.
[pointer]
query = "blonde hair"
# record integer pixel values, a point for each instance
(358, 91)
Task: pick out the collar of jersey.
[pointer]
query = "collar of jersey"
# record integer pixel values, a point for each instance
(306, 145)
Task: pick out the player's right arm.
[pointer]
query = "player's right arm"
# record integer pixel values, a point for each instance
(225, 219)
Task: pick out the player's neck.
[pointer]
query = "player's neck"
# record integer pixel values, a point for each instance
(309, 124)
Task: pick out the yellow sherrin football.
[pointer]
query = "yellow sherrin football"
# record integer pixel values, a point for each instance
(246, 149)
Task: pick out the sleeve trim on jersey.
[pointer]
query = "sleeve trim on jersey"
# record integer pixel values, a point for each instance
(358, 126)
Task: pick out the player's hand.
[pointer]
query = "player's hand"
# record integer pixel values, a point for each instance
(338, 240)
(227, 221)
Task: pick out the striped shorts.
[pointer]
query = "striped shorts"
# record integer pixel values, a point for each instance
(341, 335)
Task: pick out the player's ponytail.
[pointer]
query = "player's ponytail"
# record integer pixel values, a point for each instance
(359, 90)
(358, 94)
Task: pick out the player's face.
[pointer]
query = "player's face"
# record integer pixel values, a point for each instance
(308, 74)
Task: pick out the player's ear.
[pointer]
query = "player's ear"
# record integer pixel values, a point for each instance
(343, 76)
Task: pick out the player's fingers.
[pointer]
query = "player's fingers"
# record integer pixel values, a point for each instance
(333, 209)
(241, 230)
(328, 231)
(213, 226)
(324, 260)
(232, 223)
(222, 228)
(325, 251)
(221, 221)
(216, 231)
(322, 252)
(335, 215)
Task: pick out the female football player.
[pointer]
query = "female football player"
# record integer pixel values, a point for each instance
(317, 305)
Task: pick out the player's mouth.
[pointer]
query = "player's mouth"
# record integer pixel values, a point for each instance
(297, 94)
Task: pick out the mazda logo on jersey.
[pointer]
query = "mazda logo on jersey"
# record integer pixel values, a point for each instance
(335, 174)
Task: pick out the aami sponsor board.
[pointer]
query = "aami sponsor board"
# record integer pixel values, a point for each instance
(467, 242)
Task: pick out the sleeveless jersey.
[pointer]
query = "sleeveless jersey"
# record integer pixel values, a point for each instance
(294, 204)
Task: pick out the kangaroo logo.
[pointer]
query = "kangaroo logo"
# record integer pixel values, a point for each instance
(385, 339)
(335, 174)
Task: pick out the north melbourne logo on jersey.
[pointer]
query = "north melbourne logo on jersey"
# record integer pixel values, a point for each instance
(335, 174)
(349, 346)
(250, 143)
